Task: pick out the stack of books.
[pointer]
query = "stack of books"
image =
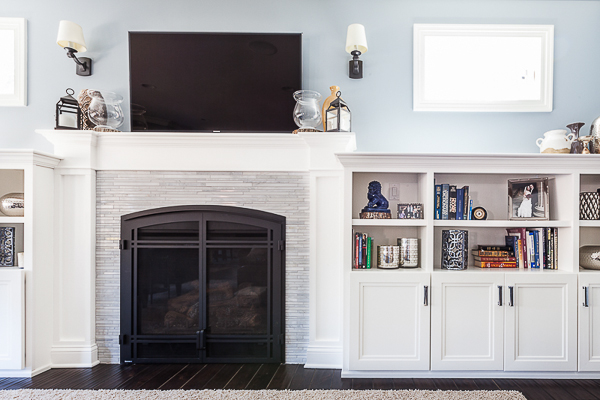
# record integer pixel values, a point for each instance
(494, 257)
(534, 247)
(452, 202)
(363, 250)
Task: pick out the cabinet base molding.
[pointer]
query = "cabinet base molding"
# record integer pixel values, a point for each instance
(74, 356)
(471, 374)
(327, 357)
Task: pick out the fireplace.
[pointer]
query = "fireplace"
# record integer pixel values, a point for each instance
(202, 284)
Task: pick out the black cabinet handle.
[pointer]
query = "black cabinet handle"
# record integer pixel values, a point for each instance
(426, 292)
(500, 295)
(510, 297)
(585, 296)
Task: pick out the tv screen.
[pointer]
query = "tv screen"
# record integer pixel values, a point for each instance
(214, 82)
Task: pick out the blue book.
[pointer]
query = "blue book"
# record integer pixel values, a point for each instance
(466, 202)
(460, 200)
(513, 243)
(536, 248)
(438, 202)
(445, 200)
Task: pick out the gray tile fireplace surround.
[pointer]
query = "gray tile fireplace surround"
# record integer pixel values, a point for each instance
(124, 192)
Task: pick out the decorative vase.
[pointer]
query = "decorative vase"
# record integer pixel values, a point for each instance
(555, 141)
(589, 205)
(334, 89)
(595, 134)
(409, 252)
(589, 257)
(7, 246)
(455, 245)
(576, 145)
(388, 257)
(307, 113)
(105, 110)
(13, 204)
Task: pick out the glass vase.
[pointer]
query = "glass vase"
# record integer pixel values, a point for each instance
(105, 110)
(307, 113)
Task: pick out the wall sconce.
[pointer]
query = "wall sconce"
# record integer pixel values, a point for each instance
(70, 37)
(356, 44)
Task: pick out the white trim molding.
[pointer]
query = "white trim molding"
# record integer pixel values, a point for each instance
(528, 88)
(15, 28)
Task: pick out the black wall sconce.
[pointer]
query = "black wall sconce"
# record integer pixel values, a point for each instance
(70, 37)
(356, 44)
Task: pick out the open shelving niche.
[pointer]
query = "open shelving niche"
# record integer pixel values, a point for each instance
(487, 189)
(589, 230)
(12, 181)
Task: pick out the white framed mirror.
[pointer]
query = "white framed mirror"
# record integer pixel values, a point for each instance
(492, 68)
(13, 62)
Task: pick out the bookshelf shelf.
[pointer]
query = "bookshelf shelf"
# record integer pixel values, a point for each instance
(503, 224)
(389, 222)
(12, 220)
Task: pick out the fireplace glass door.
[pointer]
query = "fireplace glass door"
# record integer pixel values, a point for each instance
(202, 284)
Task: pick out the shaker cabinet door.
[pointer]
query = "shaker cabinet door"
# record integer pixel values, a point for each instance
(389, 321)
(589, 321)
(541, 321)
(12, 317)
(467, 321)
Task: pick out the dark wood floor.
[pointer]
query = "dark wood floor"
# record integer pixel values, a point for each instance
(273, 376)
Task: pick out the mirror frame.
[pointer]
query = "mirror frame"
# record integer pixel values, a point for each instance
(19, 95)
(545, 32)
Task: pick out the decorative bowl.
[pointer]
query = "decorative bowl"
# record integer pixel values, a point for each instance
(589, 257)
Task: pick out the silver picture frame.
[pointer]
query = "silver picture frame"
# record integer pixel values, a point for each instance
(528, 199)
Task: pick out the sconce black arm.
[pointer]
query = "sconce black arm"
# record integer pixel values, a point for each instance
(84, 64)
(356, 70)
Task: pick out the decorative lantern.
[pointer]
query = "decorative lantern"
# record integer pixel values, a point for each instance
(68, 112)
(338, 115)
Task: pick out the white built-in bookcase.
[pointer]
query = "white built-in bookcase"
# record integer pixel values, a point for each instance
(448, 300)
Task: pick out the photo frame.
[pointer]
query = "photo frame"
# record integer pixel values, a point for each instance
(13, 62)
(528, 199)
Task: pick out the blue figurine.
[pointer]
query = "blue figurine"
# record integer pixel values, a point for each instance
(377, 202)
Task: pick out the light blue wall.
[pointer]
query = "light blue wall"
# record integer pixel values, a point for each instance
(381, 102)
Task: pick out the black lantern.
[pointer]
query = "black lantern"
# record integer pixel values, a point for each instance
(338, 115)
(68, 112)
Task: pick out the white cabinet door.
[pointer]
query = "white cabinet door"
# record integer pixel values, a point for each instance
(541, 321)
(12, 318)
(467, 321)
(589, 321)
(389, 320)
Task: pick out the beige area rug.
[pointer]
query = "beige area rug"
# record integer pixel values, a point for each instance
(261, 394)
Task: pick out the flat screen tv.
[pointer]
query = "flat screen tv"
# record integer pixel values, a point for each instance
(214, 82)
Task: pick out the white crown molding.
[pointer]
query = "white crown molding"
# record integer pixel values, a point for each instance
(28, 156)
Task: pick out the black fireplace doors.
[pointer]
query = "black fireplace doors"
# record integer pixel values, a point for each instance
(202, 284)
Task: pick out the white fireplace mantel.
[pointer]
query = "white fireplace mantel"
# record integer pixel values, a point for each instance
(83, 153)
(199, 151)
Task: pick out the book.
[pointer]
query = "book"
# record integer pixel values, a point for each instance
(499, 264)
(521, 233)
(490, 253)
(369, 250)
(549, 248)
(494, 259)
(364, 250)
(513, 243)
(470, 208)
(357, 237)
(494, 248)
(452, 202)
(460, 199)
(438, 202)
(466, 207)
(555, 239)
(445, 200)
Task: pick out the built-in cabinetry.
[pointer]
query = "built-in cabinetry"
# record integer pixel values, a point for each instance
(495, 321)
(26, 290)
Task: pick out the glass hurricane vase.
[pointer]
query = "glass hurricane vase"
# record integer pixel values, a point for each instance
(105, 110)
(307, 113)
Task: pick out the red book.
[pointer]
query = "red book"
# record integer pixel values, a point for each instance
(495, 259)
(496, 264)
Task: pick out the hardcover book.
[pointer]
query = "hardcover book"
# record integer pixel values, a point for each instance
(445, 200)
(460, 207)
(438, 202)
(452, 202)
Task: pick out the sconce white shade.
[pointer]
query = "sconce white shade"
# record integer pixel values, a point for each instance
(356, 39)
(71, 35)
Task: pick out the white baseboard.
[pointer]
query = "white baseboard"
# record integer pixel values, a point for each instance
(320, 356)
(74, 356)
(472, 374)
